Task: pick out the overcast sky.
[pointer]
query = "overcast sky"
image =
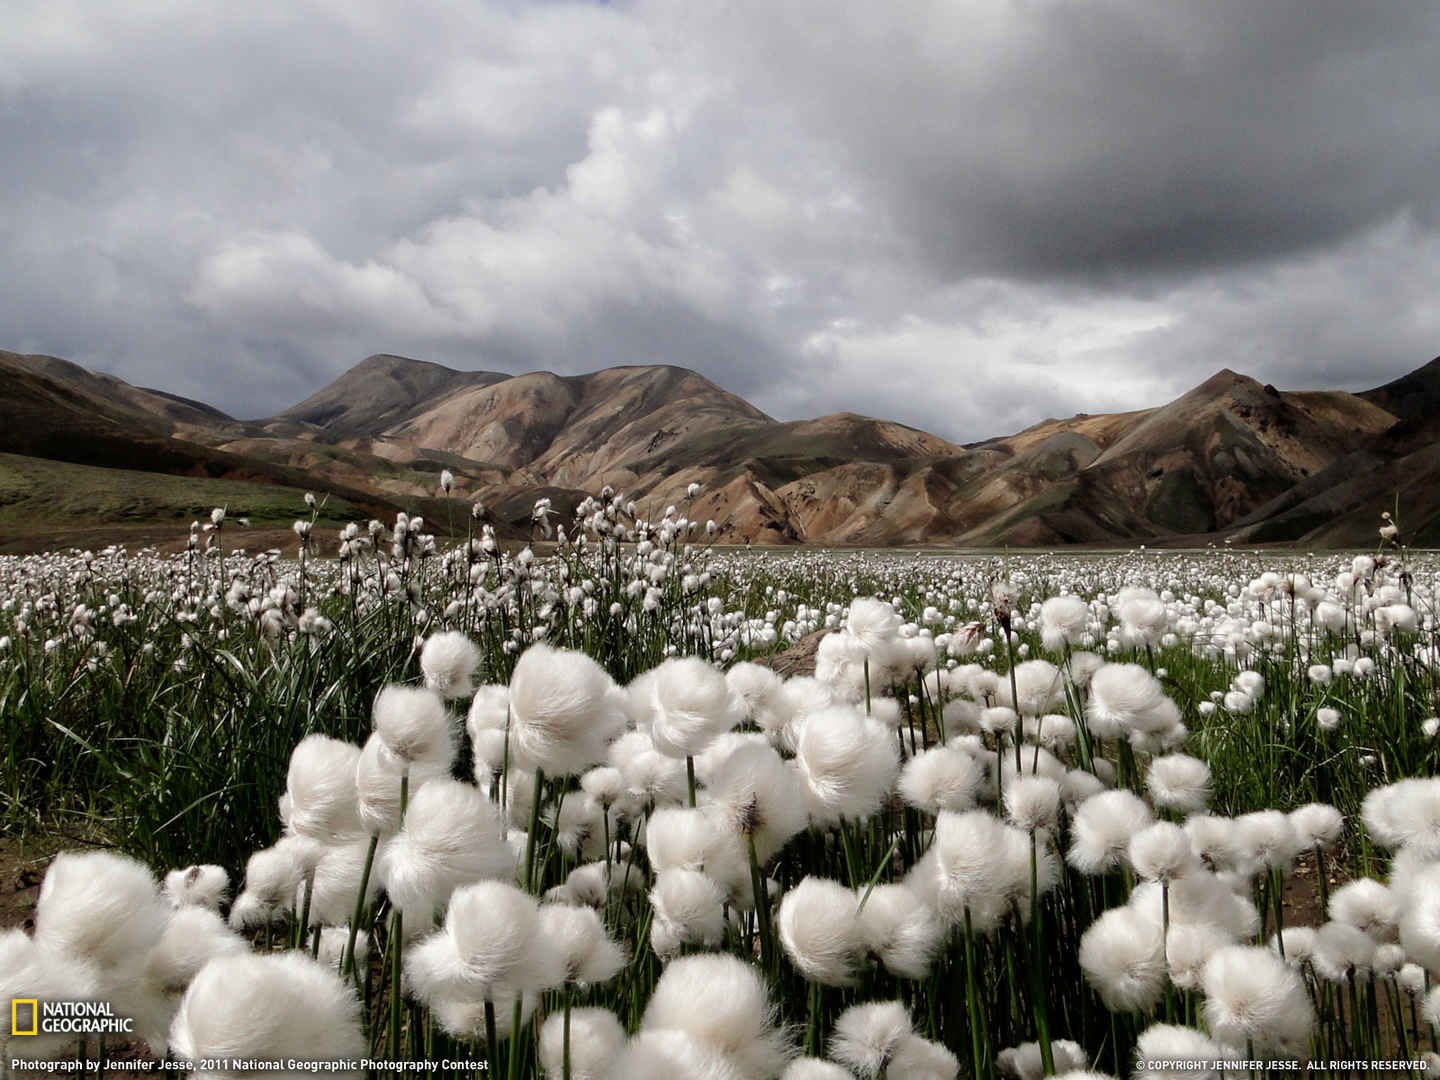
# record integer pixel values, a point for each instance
(963, 214)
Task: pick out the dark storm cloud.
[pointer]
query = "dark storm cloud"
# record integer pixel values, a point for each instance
(1124, 135)
(962, 216)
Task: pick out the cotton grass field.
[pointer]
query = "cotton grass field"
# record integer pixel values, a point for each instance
(385, 799)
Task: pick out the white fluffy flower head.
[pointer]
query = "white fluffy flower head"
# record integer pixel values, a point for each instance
(448, 661)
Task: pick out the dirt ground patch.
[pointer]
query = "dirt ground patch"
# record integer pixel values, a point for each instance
(1302, 893)
(21, 869)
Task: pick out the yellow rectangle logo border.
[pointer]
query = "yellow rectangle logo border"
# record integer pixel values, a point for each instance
(15, 1004)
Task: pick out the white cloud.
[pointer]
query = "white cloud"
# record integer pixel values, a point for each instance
(286, 280)
(964, 217)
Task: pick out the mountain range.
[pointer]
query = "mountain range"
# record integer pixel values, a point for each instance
(1231, 461)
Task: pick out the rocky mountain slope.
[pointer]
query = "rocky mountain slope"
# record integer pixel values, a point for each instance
(376, 393)
(1231, 460)
(56, 411)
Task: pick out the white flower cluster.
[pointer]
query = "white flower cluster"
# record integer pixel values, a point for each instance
(993, 781)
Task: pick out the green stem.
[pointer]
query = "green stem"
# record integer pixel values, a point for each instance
(304, 924)
(397, 929)
(812, 1028)
(492, 1049)
(972, 1002)
(565, 1067)
(1037, 976)
(347, 962)
(605, 819)
(1014, 699)
(530, 838)
(762, 907)
(515, 1015)
(875, 877)
(850, 861)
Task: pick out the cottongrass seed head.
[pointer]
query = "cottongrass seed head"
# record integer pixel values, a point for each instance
(874, 625)
(1033, 802)
(380, 777)
(323, 803)
(1024, 1062)
(448, 661)
(1420, 921)
(1125, 698)
(690, 705)
(1368, 905)
(688, 908)
(722, 1002)
(942, 778)
(101, 908)
(847, 763)
(1123, 957)
(194, 936)
(1186, 1050)
(866, 1037)
(754, 792)
(564, 710)
(1432, 1007)
(1252, 997)
(1298, 943)
(762, 694)
(1179, 782)
(900, 929)
(1188, 948)
(1318, 825)
(815, 1069)
(489, 940)
(982, 869)
(197, 886)
(669, 1053)
(452, 836)
(1063, 621)
(464, 1018)
(596, 1039)
(586, 953)
(820, 933)
(487, 722)
(28, 970)
(922, 1059)
(1405, 814)
(1269, 838)
(1342, 951)
(1161, 852)
(699, 839)
(336, 881)
(276, 1007)
(412, 724)
(1101, 830)
(1039, 687)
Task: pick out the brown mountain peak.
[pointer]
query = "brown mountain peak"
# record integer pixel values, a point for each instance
(1229, 454)
(379, 391)
(1225, 381)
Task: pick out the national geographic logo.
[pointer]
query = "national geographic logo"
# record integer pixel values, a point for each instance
(24, 1016)
(30, 1016)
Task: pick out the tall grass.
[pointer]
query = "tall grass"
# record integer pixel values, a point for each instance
(151, 705)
